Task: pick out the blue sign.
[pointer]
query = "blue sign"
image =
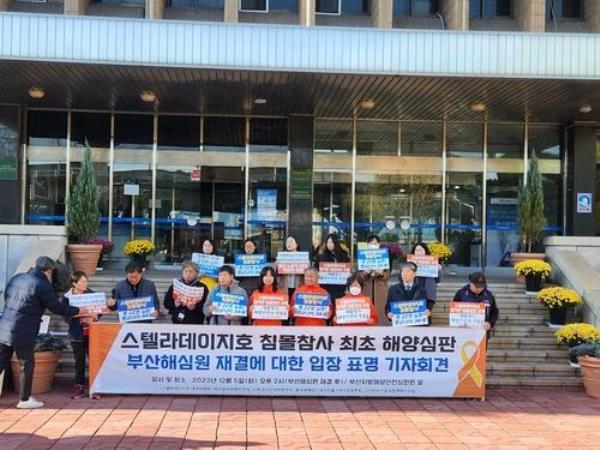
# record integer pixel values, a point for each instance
(584, 202)
(407, 314)
(249, 265)
(374, 259)
(266, 203)
(312, 305)
(136, 309)
(230, 304)
(208, 264)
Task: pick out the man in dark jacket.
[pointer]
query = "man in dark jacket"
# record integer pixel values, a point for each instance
(477, 292)
(408, 289)
(134, 286)
(27, 296)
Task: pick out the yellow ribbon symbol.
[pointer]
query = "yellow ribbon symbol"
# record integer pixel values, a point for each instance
(469, 362)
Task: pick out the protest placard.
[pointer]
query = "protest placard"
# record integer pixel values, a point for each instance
(373, 259)
(96, 301)
(136, 309)
(208, 264)
(334, 273)
(270, 306)
(315, 305)
(427, 265)
(230, 304)
(407, 314)
(292, 263)
(352, 309)
(187, 294)
(463, 314)
(249, 265)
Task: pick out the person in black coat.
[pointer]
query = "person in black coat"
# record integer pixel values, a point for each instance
(134, 286)
(408, 289)
(477, 292)
(331, 251)
(188, 310)
(27, 296)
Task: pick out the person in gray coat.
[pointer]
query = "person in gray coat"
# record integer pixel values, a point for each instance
(134, 286)
(225, 284)
(27, 296)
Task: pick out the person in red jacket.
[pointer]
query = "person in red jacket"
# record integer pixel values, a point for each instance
(354, 288)
(267, 285)
(310, 286)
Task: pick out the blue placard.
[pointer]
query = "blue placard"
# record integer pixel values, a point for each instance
(208, 264)
(312, 305)
(136, 309)
(407, 314)
(373, 259)
(249, 265)
(230, 304)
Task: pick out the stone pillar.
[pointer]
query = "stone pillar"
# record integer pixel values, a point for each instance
(230, 13)
(382, 13)
(531, 15)
(76, 7)
(591, 9)
(306, 12)
(456, 14)
(155, 9)
(581, 179)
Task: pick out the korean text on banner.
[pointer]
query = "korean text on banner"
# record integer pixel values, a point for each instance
(427, 265)
(287, 361)
(135, 309)
(249, 265)
(407, 314)
(292, 263)
(315, 306)
(334, 273)
(187, 294)
(270, 306)
(463, 314)
(373, 259)
(95, 301)
(350, 309)
(230, 304)
(208, 264)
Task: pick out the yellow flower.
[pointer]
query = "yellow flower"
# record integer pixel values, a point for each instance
(533, 267)
(578, 333)
(138, 247)
(558, 297)
(440, 250)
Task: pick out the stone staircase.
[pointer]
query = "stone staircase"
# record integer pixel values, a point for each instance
(522, 350)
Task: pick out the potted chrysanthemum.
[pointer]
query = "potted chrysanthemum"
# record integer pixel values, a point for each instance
(533, 270)
(442, 251)
(138, 250)
(575, 334)
(558, 299)
(588, 357)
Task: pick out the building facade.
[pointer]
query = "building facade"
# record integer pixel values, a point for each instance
(409, 119)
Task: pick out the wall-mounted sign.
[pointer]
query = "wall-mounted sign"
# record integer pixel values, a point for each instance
(196, 174)
(584, 202)
(131, 189)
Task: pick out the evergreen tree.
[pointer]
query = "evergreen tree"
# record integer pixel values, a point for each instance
(531, 206)
(84, 216)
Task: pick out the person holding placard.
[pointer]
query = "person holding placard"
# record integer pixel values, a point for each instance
(79, 331)
(268, 297)
(354, 308)
(376, 282)
(330, 256)
(407, 290)
(185, 297)
(311, 292)
(477, 292)
(226, 304)
(248, 283)
(429, 282)
(208, 248)
(289, 282)
(134, 286)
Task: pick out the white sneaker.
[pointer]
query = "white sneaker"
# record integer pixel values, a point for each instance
(32, 403)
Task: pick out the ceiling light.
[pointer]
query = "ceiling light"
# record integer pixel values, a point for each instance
(585, 108)
(36, 92)
(478, 106)
(367, 104)
(148, 96)
(260, 101)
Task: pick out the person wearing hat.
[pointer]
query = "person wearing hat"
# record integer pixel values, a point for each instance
(409, 289)
(477, 292)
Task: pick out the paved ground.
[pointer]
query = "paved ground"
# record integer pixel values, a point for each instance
(510, 418)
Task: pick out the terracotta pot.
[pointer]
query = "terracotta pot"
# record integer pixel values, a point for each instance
(520, 257)
(590, 370)
(84, 257)
(43, 372)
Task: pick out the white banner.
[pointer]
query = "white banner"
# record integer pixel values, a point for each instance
(271, 361)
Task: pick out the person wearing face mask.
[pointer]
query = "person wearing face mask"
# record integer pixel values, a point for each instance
(332, 252)
(376, 283)
(267, 285)
(477, 292)
(354, 292)
(407, 290)
(250, 284)
(208, 248)
(183, 310)
(429, 283)
(310, 286)
(290, 282)
(227, 285)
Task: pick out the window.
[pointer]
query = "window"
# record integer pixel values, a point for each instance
(268, 135)
(564, 9)
(178, 132)
(503, 8)
(254, 5)
(224, 134)
(333, 7)
(133, 131)
(424, 8)
(47, 128)
(95, 127)
(490, 8)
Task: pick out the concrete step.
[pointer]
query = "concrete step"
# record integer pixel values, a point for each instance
(531, 369)
(558, 355)
(574, 383)
(517, 343)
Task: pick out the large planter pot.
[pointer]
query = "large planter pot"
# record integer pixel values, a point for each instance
(533, 283)
(84, 257)
(43, 372)
(520, 257)
(590, 371)
(558, 317)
